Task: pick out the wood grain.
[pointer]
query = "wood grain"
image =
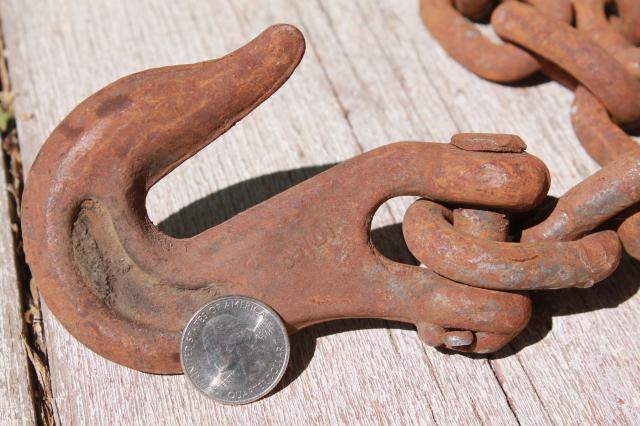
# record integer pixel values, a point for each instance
(15, 393)
(371, 75)
(16, 407)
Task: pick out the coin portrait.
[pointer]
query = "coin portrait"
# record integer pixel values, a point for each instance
(234, 350)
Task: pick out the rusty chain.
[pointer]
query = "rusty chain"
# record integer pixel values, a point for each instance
(126, 290)
(597, 58)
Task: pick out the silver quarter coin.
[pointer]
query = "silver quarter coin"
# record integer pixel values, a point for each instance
(234, 350)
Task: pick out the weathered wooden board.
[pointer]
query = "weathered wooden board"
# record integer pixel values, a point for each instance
(15, 388)
(16, 407)
(371, 75)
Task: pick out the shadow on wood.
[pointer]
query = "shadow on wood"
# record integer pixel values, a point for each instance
(303, 343)
(608, 294)
(220, 206)
(215, 208)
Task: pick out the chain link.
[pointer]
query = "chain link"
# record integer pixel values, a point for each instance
(599, 60)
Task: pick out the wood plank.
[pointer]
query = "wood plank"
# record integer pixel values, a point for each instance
(15, 393)
(16, 403)
(371, 75)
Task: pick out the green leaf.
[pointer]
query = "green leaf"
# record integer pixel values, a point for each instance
(5, 118)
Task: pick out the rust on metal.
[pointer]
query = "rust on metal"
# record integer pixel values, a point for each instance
(488, 142)
(592, 21)
(601, 196)
(474, 9)
(566, 47)
(628, 21)
(484, 224)
(125, 289)
(603, 139)
(474, 261)
(468, 246)
(561, 10)
(466, 44)
(460, 38)
(629, 233)
(599, 60)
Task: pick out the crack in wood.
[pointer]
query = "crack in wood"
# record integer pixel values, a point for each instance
(32, 331)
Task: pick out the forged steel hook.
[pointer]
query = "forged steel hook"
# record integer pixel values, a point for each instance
(125, 289)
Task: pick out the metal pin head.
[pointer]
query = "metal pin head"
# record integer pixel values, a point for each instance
(489, 142)
(454, 339)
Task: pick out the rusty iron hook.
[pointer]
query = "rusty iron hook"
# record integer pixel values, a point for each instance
(125, 289)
